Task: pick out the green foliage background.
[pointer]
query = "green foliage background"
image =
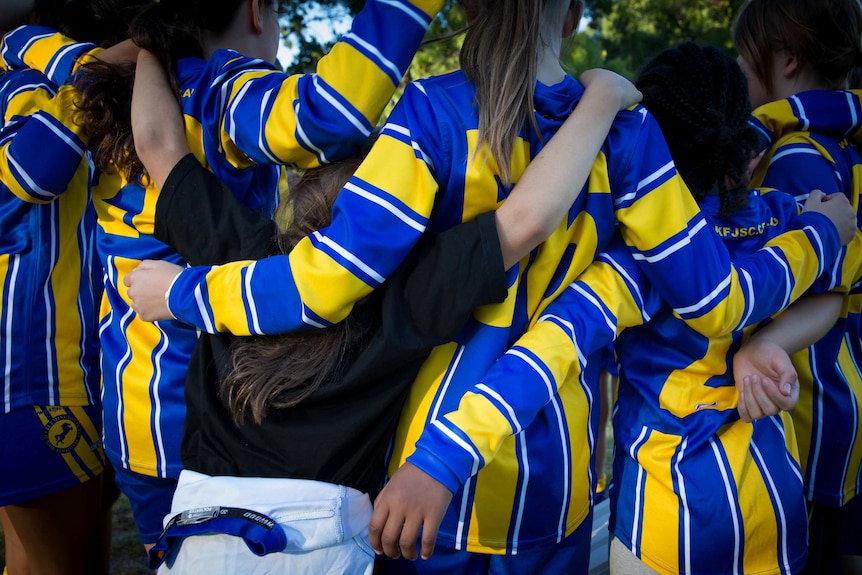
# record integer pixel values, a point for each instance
(621, 34)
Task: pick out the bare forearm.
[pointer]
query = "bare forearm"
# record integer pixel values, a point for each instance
(804, 322)
(555, 177)
(159, 145)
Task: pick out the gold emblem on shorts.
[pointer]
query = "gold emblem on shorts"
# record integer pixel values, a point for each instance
(62, 434)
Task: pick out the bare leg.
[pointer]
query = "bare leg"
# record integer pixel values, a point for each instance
(16, 560)
(59, 547)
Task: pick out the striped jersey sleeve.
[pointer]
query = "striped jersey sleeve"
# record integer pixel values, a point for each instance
(45, 50)
(310, 119)
(803, 132)
(42, 126)
(611, 295)
(376, 220)
(372, 230)
(687, 262)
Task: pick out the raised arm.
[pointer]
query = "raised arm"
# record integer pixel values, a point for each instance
(687, 262)
(534, 208)
(37, 128)
(312, 119)
(43, 49)
(195, 213)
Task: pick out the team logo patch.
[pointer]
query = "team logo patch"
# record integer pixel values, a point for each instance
(62, 434)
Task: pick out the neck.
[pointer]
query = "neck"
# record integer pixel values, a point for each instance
(548, 69)
(802, 82)
(238, 36)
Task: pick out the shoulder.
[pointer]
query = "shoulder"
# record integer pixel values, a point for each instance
(16, 89)
(225, 65)
(453, 87)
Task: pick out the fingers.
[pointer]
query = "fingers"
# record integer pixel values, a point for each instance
(376, 525)
(765, 393)
(751, 404)
(763, 397)
(816, 196)
(429, 539)
(391, 536)
(742, 408)
(408, 538)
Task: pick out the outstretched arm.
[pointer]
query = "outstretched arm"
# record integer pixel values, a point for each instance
(195, 212)
(544, 193)
(532, 211)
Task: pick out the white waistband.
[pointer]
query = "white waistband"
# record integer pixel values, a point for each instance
(313, 514)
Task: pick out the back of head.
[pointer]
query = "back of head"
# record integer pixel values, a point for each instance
(699, 96)
(102, 22)
(499, 56)
(824, 35)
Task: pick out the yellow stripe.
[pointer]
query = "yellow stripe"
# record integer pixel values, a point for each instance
(685, 391)
(851, 372)
(474, 408)
(758, 514)
(143, 338)
(110, 217)
(90, 458)
(659, 528)
(419, 403)
(574, 401)
(496, 494)
(65, 282)
(274, 122)
(412, 182)
(342, 66)
(76, 469)
(803, 413)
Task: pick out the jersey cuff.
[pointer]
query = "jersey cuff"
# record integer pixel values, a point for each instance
(456, 465)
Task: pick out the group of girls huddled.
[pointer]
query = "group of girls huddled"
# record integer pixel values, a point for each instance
(409, 366)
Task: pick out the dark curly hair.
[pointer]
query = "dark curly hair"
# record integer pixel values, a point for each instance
(699, 96)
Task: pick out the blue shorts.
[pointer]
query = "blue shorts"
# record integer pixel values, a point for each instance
(47, 449)
(150, 499)
(571, 556)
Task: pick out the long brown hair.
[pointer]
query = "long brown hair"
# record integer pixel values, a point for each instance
(824, 35)
(499, 57)
(270, 373)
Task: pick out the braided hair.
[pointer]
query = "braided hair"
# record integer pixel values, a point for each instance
(699, 97)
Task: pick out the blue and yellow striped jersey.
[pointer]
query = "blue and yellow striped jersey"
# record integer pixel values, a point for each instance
(426, 172)
(679, 440)
(242, 117)
(815, 140)
(48, 325)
